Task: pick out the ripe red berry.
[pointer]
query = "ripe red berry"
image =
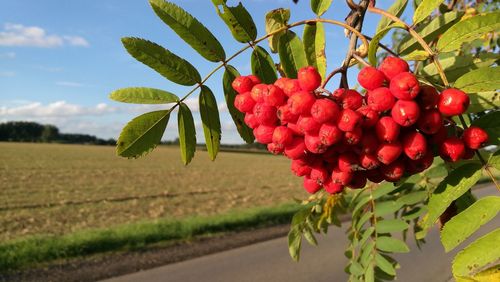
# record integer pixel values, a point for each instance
(285, 115)
(301, 102)
(369, 143)
(275, 149)
(274, 96)
(242, 84)
(351, 100)
(380, 99)
(405, 113)
(251, 121)
(282, 135)
(358, 180)
(419, 165)
(430, 121)
(314, 145)
(265, 114)
(264, 134)
(290, 87)
(258, 92)
(475, 137)
(371, 78)
(452, 149)
(369, 161)
(333, 188)
(319, 174)
(428, 97)
(387, 129)
(369, 116)
(341, 177)
(325, 110)
(338, 94)
(374, 175)
(348, 162)
(404, 86)
(308, 125)
(394, 171)
(300, 167)
(280, 82)
(296, 150)
(353, 137)
(244, 102)
(439, 137)
(392, 66)
(469, 154)
(349, 120)
(295, 128)
(389, 152)
(311, 185)
(254, 79)
(309, 78)
(453, 102)
(414, 145)
(329, 134)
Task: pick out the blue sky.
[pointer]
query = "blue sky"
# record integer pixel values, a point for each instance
(59, 60)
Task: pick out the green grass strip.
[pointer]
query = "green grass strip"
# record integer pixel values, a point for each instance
(22, 253)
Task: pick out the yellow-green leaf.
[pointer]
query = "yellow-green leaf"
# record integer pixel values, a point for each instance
(391, 225)
(209, 113)
(319, 7)
(238, 20)
(483, 79)
(275, 20)
(373, 46)
(291, 53)
(417, 55)
(314, 45)
(397, 8)
(187, 133)
(143, 95)
(393, 245)
(482, 101)
(425, 9)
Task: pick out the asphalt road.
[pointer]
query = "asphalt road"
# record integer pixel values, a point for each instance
(269, 261)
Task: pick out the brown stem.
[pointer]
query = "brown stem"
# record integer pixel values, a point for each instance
(330, 75)
(361, 60)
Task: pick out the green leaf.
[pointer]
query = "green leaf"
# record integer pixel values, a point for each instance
(417, 55)
(373, 46)
(211, 123)
(294, 243)
(162, 61)
(429, 32)
(477, 256)
(238, 20)
(456, 66)
(384, 265)
(468, 30)
(451, 188)
(143, 95)
(425, 9)
(310, 236)
(363, 220)
(414, 213)
(393, 245)
(489, 122)
(397, 8)
(238, 117)
(391, 225)
(483, 79)
(276, 20)
(319, 7)
(142, 134)
(263, 65)
(356, 268)
(291, 53)
(482, 101)
(314, 44)
(494, 160)
(189, 29)
(413, 198)
(366, 234)
(369, 274)
(461, 226)
(187, 133)
(387, 208)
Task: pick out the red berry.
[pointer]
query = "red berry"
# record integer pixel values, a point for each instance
(394, 171)
(430, 121)
(251, 121)
(374, 175)
(389, 152)
(371, 78)
(275, 149)
(369, 143)
(392, 66)
(308, 125)
(404, 86)
(453, 102)
(265, 114)
(274, 96)
(282, 135)
(290, 87)
(358, 180)
(242, 84)
(419, 165)
(348, 162)
(319, 174)
(329, 134)
(264, 134)
(301, 102)
(295, 128)
(351, 100)
(369, 161)
(281, 82)
(300, 167)
(349, 120)
(353, 137)
(311, 185)
(369, 116)
(254, 79)
(439, 137)
(314, 145)
(428, 97)
(333, 188)
(244, 102)
(341, 177)
(325, 110)
(296, 150)
(405, 113)
(387, 129)
(338, 94)
(285, 115)
(452, 149)
(309, 78)
(258, 92)
(475, 137)
(414, 145)
(380, 99)
(469, 154)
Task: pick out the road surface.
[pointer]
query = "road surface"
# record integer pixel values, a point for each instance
(269, 261)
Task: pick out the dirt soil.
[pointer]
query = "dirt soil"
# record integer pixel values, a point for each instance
(116, 264)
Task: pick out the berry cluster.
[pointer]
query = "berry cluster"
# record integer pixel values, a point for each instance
(345, 138)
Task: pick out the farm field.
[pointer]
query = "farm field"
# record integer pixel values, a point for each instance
(58, 189)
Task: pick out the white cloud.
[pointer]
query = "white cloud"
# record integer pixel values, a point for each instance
(55, 109)
(69, 84)
(7, 73)
(34, 36)
(7, 55)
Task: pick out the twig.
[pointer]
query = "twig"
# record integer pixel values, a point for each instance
(382, 46)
